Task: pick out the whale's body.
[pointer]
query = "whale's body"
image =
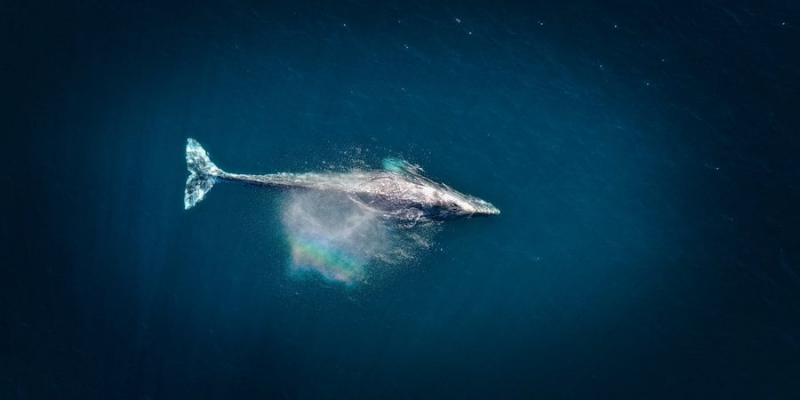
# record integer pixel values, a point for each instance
(398, 191)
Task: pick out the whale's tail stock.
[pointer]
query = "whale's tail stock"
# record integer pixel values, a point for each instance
(202, 173)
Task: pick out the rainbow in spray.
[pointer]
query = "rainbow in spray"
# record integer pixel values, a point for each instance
(318, 255)
(331, 237)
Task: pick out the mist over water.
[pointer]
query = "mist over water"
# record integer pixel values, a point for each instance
(332, 237)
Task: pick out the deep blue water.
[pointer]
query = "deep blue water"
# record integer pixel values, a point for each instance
(644, 158)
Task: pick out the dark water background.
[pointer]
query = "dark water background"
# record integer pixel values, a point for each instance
(644, 158)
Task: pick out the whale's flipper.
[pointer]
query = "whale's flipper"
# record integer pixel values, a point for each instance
(202, 173)
(401, 166)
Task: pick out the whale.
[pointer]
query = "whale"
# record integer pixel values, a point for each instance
(399, 191)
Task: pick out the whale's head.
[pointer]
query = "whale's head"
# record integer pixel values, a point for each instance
(456, 205)
(473, 206)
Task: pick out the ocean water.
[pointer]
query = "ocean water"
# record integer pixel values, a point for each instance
(644, 158)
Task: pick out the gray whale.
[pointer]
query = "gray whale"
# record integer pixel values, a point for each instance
(399, 191)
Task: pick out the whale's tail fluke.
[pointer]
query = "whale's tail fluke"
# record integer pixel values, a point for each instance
(202, 174)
